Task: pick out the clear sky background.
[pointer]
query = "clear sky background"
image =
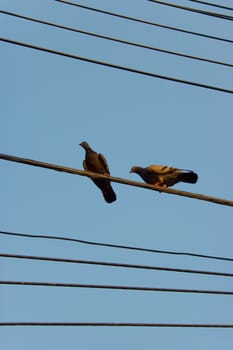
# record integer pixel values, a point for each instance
(49, 104)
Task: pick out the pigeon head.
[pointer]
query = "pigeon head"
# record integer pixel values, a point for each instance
(136, 169)
(85, 145)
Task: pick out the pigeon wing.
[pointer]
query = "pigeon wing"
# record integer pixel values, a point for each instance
(104, 163)
(160, 169)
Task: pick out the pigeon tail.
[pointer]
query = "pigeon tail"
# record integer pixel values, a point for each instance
(109, 194)
(189, 177)
(106, 189)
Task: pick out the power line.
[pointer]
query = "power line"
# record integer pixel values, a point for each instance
(111, 264)
(115, 324)
(56, 167)
(202, 12)
(115, 66)
(109, 245)
(143, 21)
(113, 287)
(212, 4)
(121, 41)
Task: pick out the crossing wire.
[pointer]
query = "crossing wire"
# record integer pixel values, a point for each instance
(113, 287)
(207, 13)
(121, 41)
(56, 167)
(112, 264)
(109, 245)
(89, 8)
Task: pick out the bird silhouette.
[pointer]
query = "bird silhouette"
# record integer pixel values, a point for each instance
(164, 176)
(97, 163)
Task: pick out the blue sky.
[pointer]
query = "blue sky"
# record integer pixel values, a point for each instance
(49, 105)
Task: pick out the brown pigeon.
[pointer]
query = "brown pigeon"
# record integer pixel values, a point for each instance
(97, 163)
(164, 176)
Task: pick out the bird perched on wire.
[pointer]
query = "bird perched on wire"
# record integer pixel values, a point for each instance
(97, 163)
(164, 176)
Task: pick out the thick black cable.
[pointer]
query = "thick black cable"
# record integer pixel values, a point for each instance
(113, 287)
(112, 264)
(212, 4)
(114, 324)
(143, 21)
(109, 245)
(115, 66)
(121, 41)
(90, 174)
(201, 12)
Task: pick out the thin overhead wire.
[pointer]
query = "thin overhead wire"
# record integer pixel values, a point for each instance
(115, 66)
(114, 324)
(55, 167)
(112, 264)
(113, 287)
(121, 41)
(111, 245)
(143, 21)
(201, 12)
(212, 4)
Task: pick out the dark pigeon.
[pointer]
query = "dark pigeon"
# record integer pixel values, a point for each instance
(97, 163)
(164, 176)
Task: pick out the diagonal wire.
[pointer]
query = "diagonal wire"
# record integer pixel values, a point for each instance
(113, 287)
(212, 4)
(143, 21)
(112, 264)
(121, 41)
(109, 245)
(115, 324)
(56, 167)
(202, 12)
(115, 66)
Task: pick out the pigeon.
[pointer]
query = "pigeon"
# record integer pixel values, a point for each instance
(164, 176)
(97, 163)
